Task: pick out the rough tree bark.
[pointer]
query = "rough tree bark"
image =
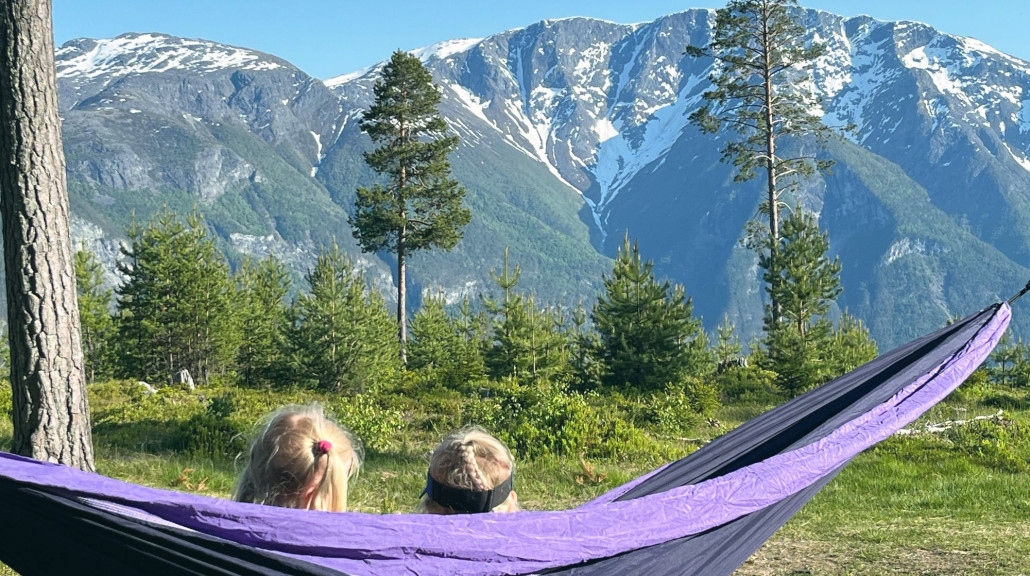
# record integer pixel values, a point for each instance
(50, 409)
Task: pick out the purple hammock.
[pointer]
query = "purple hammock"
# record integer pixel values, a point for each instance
(702, 515)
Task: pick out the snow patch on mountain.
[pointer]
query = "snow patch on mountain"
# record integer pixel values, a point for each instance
(445, 49)
(337, 81)
(936, 62)
(619, 157)
(958, 66)
(470, 102)
(972, 44)
(141, 53)
(1020, 158)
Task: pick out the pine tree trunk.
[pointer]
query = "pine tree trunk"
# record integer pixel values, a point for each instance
(402, 321)
(50, 408)
(770, 144)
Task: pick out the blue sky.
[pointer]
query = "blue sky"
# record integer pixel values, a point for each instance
(330, 37)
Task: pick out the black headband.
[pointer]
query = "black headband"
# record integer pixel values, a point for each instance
(467, 501)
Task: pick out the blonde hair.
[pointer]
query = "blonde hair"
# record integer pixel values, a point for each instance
(300, 459)
(471, 459)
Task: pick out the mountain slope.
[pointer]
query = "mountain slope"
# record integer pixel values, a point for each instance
(938, 162)
(575, 133)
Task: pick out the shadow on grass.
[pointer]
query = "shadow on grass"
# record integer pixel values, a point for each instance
(146, 436)
(1007, 402)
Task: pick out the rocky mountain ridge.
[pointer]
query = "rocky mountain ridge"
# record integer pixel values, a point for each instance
(575, 133)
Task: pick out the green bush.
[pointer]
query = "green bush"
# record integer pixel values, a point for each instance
(673, 412)
(1001, 445)
(371, 418)
(6, 422)
(974, 389)
(210, 436)
(749, 384)
(5, 400)
(701, 394)
(215, 433)
(546, 419)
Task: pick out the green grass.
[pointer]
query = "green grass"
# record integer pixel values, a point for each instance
(949, 503)
(917, 505)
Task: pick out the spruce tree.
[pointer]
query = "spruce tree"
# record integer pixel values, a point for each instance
(263, 355)
(851, 346)
(440, 348)
(95, 320)
(801, 278)
(586, 370)
(419, 205)
(804, 350)
(527, 341)
(649, 338)
(342, 332)
(1004, 359)
(434, 339)
(174, 310)
(726, 351)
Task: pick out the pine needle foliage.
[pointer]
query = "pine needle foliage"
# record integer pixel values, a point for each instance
(443, 349)
(95, 322)
(649, 338)
(174, 310)
(263, 355)
(342, 332)
(528, 342)
(804, 348)
(802, 279)
(760, 92)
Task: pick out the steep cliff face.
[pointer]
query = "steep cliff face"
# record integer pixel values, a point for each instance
(575, 133)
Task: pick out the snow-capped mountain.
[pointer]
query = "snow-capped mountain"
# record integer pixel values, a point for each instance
(574, 134)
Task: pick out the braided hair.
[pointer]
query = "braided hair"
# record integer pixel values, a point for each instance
(471, 459)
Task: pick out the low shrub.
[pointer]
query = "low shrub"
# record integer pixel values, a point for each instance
(544, 419)
(6, 422)
(749, 384)
(676, 411)
(974, 390)
(145, 423)
(1003, 445)
(210, 436)
(371, 418)
(5, 400)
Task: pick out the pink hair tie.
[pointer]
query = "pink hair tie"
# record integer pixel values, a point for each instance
(324, 446)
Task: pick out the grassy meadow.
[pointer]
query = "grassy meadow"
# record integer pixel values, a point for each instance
(953, 502)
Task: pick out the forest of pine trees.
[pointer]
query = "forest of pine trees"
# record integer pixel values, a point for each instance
(182, 307)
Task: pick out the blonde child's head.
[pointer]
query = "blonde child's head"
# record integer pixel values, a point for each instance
(300, 459)
(470, 471)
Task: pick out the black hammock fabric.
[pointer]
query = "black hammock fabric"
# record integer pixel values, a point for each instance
(702, 515)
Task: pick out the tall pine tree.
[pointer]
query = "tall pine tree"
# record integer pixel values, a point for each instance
(760, 93)
(649, 338)
(419, 205)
